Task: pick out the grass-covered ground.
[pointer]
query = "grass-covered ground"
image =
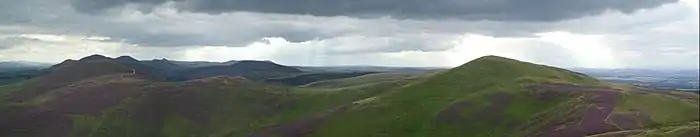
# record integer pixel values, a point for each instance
(223, 108)
(661, 108)
(490, 84)
(5, 91)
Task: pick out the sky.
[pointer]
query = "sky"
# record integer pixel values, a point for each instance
(414, 33)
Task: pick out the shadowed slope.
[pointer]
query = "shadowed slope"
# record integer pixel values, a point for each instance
(253, 70)
(126, 105)
(218, 106)
(54, 107)
(302, 79)
(69, 71)
(158, 71)
(362, 80)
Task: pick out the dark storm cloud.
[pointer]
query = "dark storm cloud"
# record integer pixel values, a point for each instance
(240, 29)
(219, 36)
(520, 10)
(96, 6)
(57, 17)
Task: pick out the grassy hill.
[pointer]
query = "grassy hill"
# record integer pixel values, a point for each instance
(490, 96)
(219, 106)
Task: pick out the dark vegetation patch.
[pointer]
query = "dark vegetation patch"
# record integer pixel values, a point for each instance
(155, 73)
(220, 106)
(202, 101)
(304, 79)
(6, 90)
(625, 133)
(464, 115)
(588, 120)
(361, 80)
(302, 127)
(453, 113)
(11, 77)
(65, 74)
(252, 70)
(691, 133)
(617, 112)
(49, 114)
(167, 108)
(89, 100)
(631, 121)
(32, 121)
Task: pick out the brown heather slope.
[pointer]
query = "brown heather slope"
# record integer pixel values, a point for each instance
(48, 114)
(68, 72)
(126, 105)
(252, 70)
(39, 107)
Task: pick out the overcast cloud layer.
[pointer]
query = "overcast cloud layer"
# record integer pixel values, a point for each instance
(565, 33)
(530, 10)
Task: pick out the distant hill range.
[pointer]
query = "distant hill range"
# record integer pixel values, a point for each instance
(99, 96)
(664, 79)
(11, 72)
(21, 65)
(168, 70)
(368, 69)
(181, 71)
(171, 70)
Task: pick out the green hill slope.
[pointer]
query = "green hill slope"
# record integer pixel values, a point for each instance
(220, 106)
(116, 105)
(490, 96)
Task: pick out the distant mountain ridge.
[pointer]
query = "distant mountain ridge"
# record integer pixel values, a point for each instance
(254, 70)
(166, 70)
(197, 64)
(169, 70)
(303, 79)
